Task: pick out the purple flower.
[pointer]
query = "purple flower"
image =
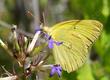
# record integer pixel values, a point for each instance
(51, 42)
(38, 30)
(58, 43)
(56, 69)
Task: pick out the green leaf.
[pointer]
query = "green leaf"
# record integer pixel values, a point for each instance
(85, 73)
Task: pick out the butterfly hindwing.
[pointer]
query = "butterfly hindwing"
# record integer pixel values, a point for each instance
(77, 37)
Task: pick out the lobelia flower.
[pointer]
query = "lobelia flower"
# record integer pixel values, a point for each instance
(56, 69)
(51, 42)
(38, 30)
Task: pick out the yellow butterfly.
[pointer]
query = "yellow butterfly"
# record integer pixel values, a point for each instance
(77, 37)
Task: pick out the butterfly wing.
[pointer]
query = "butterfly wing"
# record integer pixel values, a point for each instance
(77, 37)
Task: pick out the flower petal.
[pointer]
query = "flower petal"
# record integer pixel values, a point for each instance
(58, 43)
(47, 36)
(56, 69)
(53, 71)
(50, 43)
(59, 73)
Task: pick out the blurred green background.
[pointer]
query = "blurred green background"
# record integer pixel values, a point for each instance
(16, 12)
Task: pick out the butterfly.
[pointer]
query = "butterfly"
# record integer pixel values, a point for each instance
(77, 37)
